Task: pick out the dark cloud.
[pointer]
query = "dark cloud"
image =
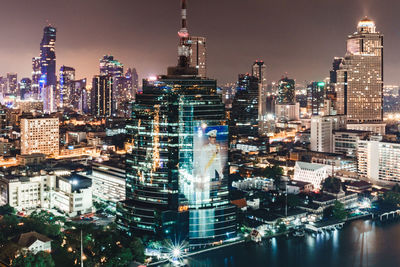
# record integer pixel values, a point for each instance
(299, 37)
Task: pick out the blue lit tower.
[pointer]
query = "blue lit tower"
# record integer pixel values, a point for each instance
(48, 79)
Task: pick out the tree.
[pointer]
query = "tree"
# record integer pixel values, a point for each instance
(275, 173)
(281, 226)
(339, 211)
(332, 185)
(6, 209)
(137, 249)
(40, 259)
(293, 201)
(391, 197)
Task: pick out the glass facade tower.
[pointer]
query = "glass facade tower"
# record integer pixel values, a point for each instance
(176, 173)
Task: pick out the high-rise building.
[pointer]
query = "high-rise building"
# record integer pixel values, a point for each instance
(40, 135)
(198, 54)
(360, 76)
(25, 87)
(115, 69)
(81, 96)
(67, 77)
(135, 82)
(379, 161)
(286, 91)
(315, 97)
(322, 128)
(48, 79)
(176, 180)
(244, 117)
(36, 74)
(111, 66)
(259, 70)
(102, 96)
(12, 79)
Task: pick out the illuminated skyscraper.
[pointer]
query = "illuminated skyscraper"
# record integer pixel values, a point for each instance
(36, 73)
(25, 87)
(102, 96)
(12, 79)
(67, 77)
(245, 108)
(315, 97)
(286, 91)
(176, 174)
(360, 76)
(48, 79)
(198, 54)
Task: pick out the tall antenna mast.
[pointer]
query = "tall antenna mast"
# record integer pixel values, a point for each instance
(183, 49)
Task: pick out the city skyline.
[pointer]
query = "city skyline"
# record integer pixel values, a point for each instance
(81, 41)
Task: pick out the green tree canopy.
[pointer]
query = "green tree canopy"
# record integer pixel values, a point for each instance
(332, 185)
(339, 211)
(40, 259)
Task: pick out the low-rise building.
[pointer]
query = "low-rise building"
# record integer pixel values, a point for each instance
(313, 173)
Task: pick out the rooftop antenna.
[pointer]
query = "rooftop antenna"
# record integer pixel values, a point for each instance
(183, 49)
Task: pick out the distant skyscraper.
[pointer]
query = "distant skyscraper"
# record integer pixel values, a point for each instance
(67, 77)
(36, 73)
(135, 82)
(102, 96)
(360, 78)
(335, 67)
(115, 69)
(259, 70)
(48, 79)
(198, 54)
(245, 109)
(80, 97)
(12, 79)
(315, 97)
(286, 91)
(111, 66)
(25, 87)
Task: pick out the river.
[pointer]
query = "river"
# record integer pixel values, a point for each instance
(360, 243)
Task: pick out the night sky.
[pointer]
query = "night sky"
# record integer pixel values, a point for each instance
(299, 37)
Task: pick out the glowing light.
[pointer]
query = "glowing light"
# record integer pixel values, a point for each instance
(152, 78)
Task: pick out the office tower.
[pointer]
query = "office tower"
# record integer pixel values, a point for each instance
(39, 135)
(36, 73)
(286, 91)
(315, 98)
(335, 67)
(102, 96)
(259, 70)
(360, 76)
(198, 54)
(286, 108)
(135, 82)
(48, 79)
(346, 141)
(127, 87)
(25, 87)
(114, 68)
(322, 128)
(379, 161)
(244, 115)
(12, 79)
(67, 77)
(80, 96)
(111, 66)
(176, 173)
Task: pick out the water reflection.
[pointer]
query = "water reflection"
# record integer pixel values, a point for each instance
(360, 243)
